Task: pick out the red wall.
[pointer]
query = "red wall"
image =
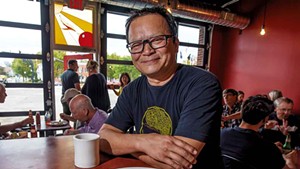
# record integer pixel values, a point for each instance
(257, 64)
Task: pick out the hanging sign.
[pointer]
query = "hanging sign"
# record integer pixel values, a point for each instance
(76, 4)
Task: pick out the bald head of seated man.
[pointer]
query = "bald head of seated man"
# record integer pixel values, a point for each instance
(83, 110)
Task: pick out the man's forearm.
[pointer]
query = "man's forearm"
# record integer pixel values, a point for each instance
(119, 142)
(9, 127)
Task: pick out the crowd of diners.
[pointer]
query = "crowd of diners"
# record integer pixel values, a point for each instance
(255, 130)
(172, 115)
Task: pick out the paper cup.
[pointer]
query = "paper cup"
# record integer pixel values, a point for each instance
(86, 150)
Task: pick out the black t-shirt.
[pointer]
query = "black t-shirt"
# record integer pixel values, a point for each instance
(189, 105)
(68, 79)
(95, 87)
(248, 146)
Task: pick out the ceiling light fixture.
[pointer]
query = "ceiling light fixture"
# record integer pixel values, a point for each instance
(169, 7)
(262, 30)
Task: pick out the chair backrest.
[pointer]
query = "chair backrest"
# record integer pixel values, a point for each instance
(234, 163)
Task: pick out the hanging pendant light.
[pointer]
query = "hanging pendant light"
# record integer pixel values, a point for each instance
(169, 8)
(262, 30)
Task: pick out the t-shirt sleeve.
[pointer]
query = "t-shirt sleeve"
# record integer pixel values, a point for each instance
(75, 78)
(121, 116)
(200, 117)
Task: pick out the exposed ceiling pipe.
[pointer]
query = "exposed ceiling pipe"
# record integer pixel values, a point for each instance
(229, 3)
(223, 18)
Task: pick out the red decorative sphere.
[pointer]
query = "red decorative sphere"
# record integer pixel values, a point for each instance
(86, 39)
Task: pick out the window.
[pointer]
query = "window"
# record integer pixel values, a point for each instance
(114, 45)
(192, 44)
(73, 27)
(25, 58)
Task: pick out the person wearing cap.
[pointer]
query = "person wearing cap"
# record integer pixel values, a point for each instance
(8, 127)
(83, 110)
(69, 94)
(69, 79)
(245, 144)
(231, 109)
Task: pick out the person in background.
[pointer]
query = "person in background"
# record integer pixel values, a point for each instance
(245, 144)
(95, 87)
(282, 122)
(241, 96)
(69, 94)
(274, 94)
(175, 109)
(69, 79)
(124, 80)
(8, 127)
(83, 110)
(231, 109)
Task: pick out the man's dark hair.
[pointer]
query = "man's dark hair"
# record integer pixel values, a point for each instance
(241, 92)
(232, 91)
(256, 108)
(71, 62)
(154, 10)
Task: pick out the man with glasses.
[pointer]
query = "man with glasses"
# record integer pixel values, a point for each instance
(175, 109)
(281, 122)
(231, 116)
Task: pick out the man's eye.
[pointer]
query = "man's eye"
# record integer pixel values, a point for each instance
(136, 45)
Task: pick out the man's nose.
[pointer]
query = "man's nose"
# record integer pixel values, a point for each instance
(148, 48)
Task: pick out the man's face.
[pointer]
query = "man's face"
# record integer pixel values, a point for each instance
(2, 94)
(152, 62)
(284, 110)
(79, 114)
(240, 97)
(74, 66)
(229, 99)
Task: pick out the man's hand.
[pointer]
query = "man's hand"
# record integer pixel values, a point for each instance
(169, 150)
(71, 132)
(152, 162)
(28, 120)
(271, 124)
(291, 159)
(279, 145)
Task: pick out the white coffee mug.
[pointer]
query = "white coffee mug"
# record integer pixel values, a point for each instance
(86, 150)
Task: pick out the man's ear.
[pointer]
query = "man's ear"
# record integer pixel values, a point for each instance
(86, 112)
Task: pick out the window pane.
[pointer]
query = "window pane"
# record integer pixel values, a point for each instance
(73, 27)
(190, 56)
(116, 49)
(8, 9)
(23, 99)
(21, 70)
(185, 32)
(116, 24)
(114, 72)
(16, 40)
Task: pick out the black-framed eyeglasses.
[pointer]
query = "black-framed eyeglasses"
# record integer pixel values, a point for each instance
(155, 42)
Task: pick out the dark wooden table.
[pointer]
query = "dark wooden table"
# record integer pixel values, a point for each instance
(47, 130)
(51, 153)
